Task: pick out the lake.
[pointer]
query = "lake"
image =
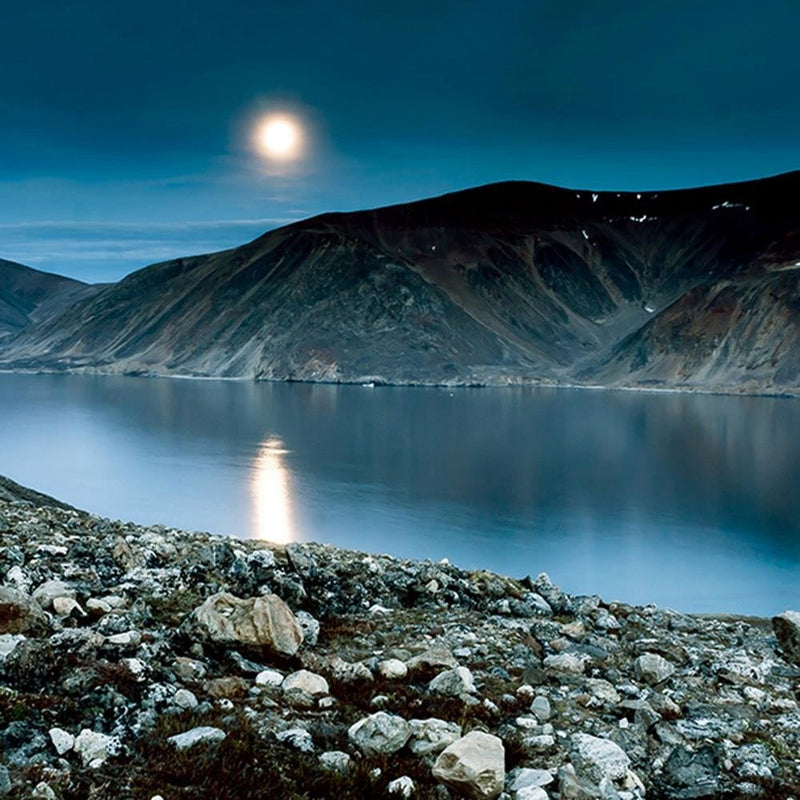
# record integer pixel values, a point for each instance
(687, 501)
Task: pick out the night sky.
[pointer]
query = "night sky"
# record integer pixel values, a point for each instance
(126, 133)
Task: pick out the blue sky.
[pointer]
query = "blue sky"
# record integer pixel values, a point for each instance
(126, 127)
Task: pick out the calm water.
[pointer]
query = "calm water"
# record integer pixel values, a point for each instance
(686, 501)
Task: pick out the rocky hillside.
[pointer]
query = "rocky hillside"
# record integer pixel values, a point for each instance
(154, 663)
(11, 491)
(512, 282)
(28, 296)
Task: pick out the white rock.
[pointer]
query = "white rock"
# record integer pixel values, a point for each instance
(299, 738)
(64, 606)
(43, 792)
(52, 549)
(350, 672)
(527, 778)
(473, 766)
(132, 638)
(263, 558)
(8, 644)
(393, 669)
(379, 734)
(136, 667)
(92, 746)
(603, 691)
(17, 578)
(97, 606)
(598, 759)
(531, 793)
(453, 682)
(751, 693)
(541, 708)
(432, 735)
(491, 706)
(335, 761)
(46, 592)
(305, 681)
(606, 621)
(205, 734)
(185, 699)
(433, 657)
(309, 626)
(652, 668)
(269, 678)
(565, 662)
(403, 786)
(543, 742)
(62, 740)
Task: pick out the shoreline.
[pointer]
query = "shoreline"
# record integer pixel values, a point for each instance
(376, 382)
(138, 661)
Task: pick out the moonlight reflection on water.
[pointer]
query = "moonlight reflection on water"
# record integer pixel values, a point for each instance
(687, 501)
(272, 494)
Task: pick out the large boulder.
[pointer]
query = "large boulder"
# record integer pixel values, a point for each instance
(473, 766)
(257, 624)
(787, 631)
(380, 734)
(19, 613)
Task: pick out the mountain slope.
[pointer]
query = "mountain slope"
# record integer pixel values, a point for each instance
(505, 283)
(28, 295)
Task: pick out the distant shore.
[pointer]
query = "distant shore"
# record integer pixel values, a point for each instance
(507, 382)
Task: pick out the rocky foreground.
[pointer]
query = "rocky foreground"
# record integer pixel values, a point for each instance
(154, 663)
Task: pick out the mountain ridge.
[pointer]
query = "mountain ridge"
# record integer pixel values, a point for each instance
(508, 283)
(28, 295)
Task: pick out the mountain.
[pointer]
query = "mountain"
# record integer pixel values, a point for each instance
(506, 283)
(28, 296)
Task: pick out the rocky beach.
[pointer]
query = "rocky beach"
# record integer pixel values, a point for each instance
(148, 662)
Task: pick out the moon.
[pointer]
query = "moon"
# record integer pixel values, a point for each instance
(279, 137)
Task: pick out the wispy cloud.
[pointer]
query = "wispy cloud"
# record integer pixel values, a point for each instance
(101, 251)
(143, 227)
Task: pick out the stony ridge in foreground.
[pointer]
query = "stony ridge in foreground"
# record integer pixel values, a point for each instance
(136, 663)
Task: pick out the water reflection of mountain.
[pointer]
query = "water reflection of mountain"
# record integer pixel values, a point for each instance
(676, 499)
(724, 462)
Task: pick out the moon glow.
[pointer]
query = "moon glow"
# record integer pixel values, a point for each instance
(279, 137)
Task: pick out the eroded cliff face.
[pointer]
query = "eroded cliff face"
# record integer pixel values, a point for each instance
(513, 282)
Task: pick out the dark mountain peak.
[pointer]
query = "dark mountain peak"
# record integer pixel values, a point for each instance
(506, 283)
